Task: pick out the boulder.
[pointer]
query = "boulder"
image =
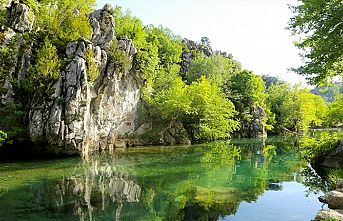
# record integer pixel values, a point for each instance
(323, 215)
(334, 199)
(339, 184)
(335, 158)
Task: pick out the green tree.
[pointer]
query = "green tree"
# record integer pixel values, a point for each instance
(246, 90)
(295, 109)
(319, 24)
(335, 112)
(130, 26)
(212, 115)
(47, 64)
(64, 20)
(217, 69)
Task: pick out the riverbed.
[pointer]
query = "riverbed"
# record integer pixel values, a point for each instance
(246, 179)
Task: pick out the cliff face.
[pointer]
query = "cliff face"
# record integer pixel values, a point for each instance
(80, 115)
(83, 116)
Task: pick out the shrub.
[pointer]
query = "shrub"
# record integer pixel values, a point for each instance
(92, 67)
(314, 149)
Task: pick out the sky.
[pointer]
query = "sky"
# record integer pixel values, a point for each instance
(253, 31)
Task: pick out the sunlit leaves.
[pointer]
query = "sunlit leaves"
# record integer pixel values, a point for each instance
(319, 23)
(48, 63)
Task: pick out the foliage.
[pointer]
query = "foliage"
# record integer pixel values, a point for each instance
(92, 67)
(130, 26)
(64, 20)
(319, 23)
(216, 68)
(11, 119)
(335, 111)
(120, 58)
(314, 149)
(295, 109)
(169, 45)
(329, 92)
(3, 4)
(3, 137)
(212, 114)
(7, 59)
(48, 64)
(246, 90)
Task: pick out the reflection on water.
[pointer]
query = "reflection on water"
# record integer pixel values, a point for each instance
(202, 182)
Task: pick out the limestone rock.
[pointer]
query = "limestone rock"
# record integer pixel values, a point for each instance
(8, 34)
(20, 17)
(339, 184)
(81, 116)
(335, 158)
(175, 133)
(334, 199)
(103, 25)
(328, 214)
(127, 46)
(257, 128)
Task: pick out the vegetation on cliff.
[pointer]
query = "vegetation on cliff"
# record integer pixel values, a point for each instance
(206, 91)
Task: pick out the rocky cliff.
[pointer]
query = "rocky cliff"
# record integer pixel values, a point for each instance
(88, 116)
(80, 115)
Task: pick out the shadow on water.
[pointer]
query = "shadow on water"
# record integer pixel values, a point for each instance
(201, 182)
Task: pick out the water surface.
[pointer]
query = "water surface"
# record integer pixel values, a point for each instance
(241, 180)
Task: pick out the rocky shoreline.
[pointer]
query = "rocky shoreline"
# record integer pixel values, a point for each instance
(334, 200)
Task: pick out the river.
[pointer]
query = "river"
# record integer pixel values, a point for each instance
(246, 179)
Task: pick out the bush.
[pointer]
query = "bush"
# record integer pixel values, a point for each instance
(48, 63)
(3, 137)
(92, 68)
(315, 149)
(118, 57)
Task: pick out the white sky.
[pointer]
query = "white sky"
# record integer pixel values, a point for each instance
(252, 30)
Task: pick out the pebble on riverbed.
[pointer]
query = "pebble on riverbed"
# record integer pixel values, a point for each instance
(334, 199)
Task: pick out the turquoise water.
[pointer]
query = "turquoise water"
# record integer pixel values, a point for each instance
(241, 180)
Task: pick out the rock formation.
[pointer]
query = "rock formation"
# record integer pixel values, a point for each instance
(334, 199)
(80, 115)
(20, 17)
(335, 158)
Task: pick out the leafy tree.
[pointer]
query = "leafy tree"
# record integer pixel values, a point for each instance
(246, 90)
(169, 45)
(319, 23)
(64, 20)
(295, 109)
(212, 115)
(216, 68)
(335, 112)
(48, 64)
(169, 99)
(130, 26)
